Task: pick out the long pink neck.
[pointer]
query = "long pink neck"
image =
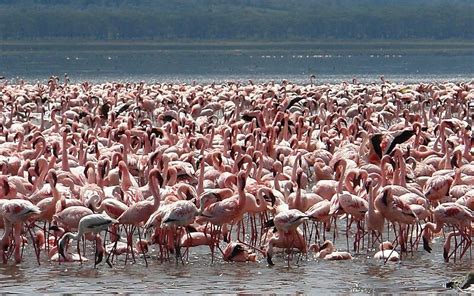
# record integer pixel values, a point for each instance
(155, 191)
(342, 177)
(126, 180)
(64, 158)
(200, 188)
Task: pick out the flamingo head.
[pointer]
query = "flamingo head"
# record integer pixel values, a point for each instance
(233, 250)
(270, 197)
(368, 185)
(91, 201)
(100, 256)
(385, 197)
(242, 180)
(53, 177)
(122, 166)
(61, 245)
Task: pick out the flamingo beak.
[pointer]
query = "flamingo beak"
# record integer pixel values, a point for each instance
(446, 255)
(426, 245)
(269, 223)
(54, 228)
(100, 256)
(61, 245)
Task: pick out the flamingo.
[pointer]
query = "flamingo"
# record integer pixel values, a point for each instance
(94, 223)
(396, 210)
(140, 212)
(327, 251)
(288, 235)
(15, 213)
(69, 217)
(374, 220)
(237, 252)
(386, 252)
(452, 214)
(289, 240)
(227, 210)
(179, 214)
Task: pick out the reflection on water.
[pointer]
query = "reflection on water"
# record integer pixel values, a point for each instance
(422, 272)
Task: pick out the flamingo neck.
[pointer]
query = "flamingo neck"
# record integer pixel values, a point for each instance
(342, 177)
(155, 191)
(64, 158)
(200, 187)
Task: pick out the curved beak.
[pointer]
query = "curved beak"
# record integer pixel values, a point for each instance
(61, 245)
(100, 256)
(54, 228)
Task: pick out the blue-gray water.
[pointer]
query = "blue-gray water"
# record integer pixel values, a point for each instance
(421, 273)
(203, 64)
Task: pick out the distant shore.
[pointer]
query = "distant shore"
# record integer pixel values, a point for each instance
(411, 47)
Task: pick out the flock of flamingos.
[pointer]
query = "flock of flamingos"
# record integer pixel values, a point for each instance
(134, 171)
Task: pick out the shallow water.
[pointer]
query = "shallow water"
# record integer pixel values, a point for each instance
(421, 273)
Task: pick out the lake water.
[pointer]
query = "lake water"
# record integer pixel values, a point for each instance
(422, 273)
(418, 273)
(202, 63)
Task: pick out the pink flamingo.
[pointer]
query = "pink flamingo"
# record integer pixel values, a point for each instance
(179, 214)
(386, 252)
(238, 252)
(15, 213)
(132, 193)
(396, 210)
(456, 215)
(93, 223)
(327, 251)
(374, 220)
(138, 213)
(288, 241)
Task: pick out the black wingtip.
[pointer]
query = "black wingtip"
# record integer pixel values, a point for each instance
(400, 139)
(269, 223)
(293, 102)
(450, 285)
(236, 251)
(376, 140)
(385, 197)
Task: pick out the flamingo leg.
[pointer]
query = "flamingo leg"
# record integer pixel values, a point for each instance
(127, 236)
(140, 242)
(468, 242)
(96, 261)
(79, 251)
(37, 249)
(112, 251)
